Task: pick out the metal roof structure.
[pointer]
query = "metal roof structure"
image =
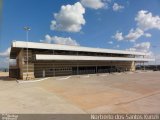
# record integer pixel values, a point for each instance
(90, 58)
(34, 45)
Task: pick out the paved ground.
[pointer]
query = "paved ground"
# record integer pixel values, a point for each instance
(104, 93)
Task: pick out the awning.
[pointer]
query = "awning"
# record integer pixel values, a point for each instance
(88, 58)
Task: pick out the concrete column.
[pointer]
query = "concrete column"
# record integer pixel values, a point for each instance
(30, 66)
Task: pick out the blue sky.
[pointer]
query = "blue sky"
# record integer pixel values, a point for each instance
(99, 30)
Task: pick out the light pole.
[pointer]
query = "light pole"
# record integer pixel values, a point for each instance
(27, 29)
(156, 46)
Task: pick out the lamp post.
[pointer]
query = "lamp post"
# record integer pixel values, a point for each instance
(156, 46)
(27, 29)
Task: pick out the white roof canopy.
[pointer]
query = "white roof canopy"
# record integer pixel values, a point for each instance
(33, 45)
(85, 58)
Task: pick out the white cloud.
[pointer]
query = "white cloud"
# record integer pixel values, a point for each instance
(70, 18)
(131, 49)
(4, 63)
(145, 20)
(110, 42)
(94, 4)
(117, 7)
(141, 47)
(48, 39)
(134, 34)
(59, 40)
(157, 58)
(118, 36)
(147, 35)
(5, 53)
(117, 46)
(4, 58)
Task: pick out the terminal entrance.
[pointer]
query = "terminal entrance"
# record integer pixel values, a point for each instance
(64, 69)
(96, 69)
(83, 70)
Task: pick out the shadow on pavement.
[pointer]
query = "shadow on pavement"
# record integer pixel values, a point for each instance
(7, 78)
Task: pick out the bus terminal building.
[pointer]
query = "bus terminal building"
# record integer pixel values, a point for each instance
(36, 60)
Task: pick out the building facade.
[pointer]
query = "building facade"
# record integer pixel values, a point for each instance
(35, 60)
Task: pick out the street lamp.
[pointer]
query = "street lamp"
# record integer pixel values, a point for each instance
(156, 66)
(27, 29)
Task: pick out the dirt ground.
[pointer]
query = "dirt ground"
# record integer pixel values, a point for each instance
(103, 93)
(4, 74)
